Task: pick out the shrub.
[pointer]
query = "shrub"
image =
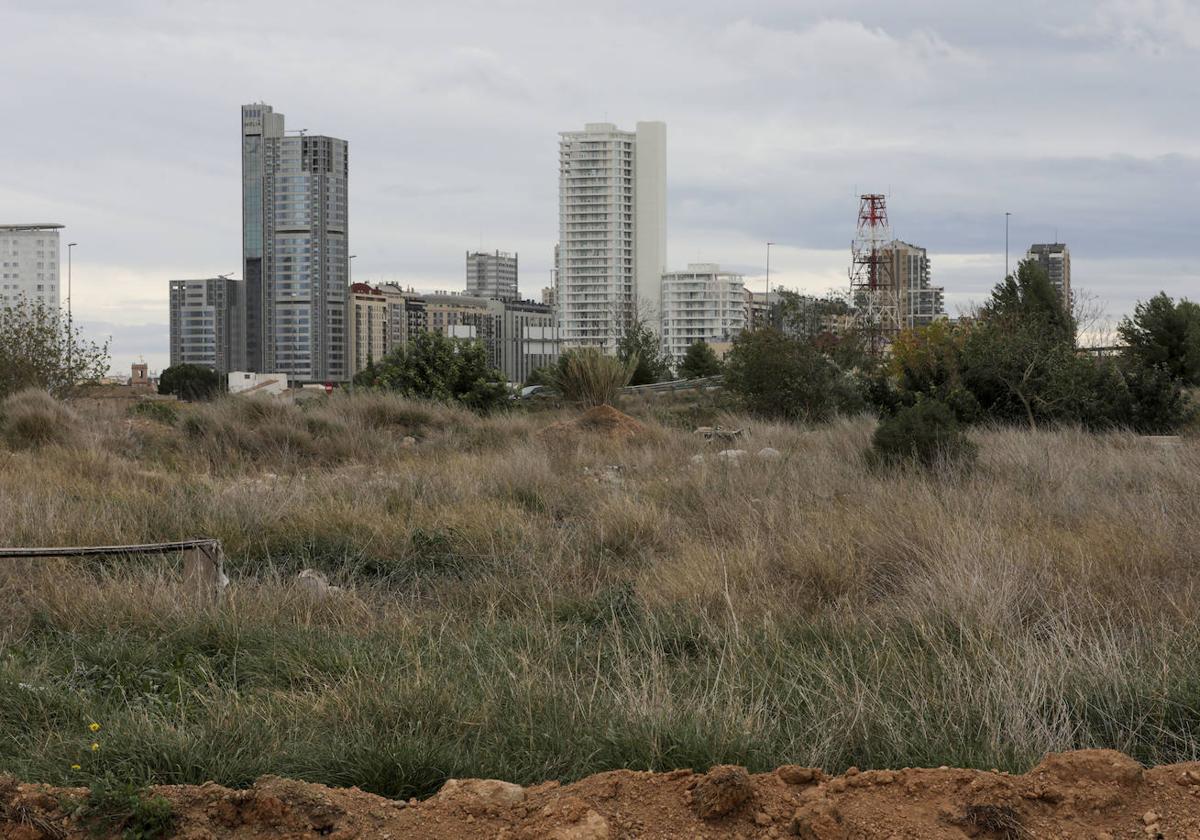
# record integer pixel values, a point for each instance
(190, 382)
(926, 434)
(778, 376)
(161, 411)
(32, 418)
(113, 806)
(435, 367)
(588, 376)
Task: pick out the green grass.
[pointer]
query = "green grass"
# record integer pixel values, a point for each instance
(513, 611)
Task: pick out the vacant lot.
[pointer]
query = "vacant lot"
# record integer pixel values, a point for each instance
(530, 606)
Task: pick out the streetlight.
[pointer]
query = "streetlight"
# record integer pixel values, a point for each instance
(70, 321)
(769, 244)
(1006, 215)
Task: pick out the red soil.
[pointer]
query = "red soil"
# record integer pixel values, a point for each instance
(1093, 794)
(601, 420)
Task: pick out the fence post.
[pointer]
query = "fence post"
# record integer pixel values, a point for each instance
(204, 571)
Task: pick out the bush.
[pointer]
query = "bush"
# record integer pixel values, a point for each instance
(128, 808)
(778, 376)
(32, 418)
(190, 382)
(434, 367)
(641, 348)
(157, 410)
(926, 434)
(586, 375)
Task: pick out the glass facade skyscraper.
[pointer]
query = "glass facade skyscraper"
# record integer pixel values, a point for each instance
(294, 248)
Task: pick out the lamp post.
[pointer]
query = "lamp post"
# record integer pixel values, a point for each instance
(70, 320)
(1006, 215)
(769, 244)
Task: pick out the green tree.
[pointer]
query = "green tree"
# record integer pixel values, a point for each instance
(190, 382)
(1018, 359)
(778, 376)
(698, 361)
(641, 346)
(432, 366)
(39, 349)
(1167, 334)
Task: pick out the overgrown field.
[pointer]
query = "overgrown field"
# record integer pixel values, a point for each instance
(532, 607)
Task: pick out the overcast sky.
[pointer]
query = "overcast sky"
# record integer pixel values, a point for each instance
(1081, 117)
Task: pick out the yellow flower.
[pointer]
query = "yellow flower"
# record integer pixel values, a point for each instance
(76, 767)
(95, 746)
(95, 727)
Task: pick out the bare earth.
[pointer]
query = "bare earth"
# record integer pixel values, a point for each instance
(1093, 794)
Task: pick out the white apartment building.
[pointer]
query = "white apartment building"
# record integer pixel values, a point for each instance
(612, 230)
(29, 264)
(702, 303)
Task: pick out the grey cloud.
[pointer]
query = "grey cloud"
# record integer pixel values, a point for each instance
(1072, 115)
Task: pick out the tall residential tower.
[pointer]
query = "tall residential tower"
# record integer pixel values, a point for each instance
(1055, 260)
(295, 249)
(612, 230)
(29, 267)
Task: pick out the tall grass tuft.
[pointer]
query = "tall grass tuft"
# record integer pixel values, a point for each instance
(590, 377)
(32, 418)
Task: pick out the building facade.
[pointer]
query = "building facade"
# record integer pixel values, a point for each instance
(921, 303)
(204, 322)
(367, 326)
(527, 338)
(1055, 260)
(612, 247)
(702, 303)
(29, 264)
(492, 276)
(295, 232)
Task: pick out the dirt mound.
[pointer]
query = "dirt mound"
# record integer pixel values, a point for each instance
(600, 420)
(1093, 794)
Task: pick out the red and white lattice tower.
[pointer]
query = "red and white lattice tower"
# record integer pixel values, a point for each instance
(873, 289)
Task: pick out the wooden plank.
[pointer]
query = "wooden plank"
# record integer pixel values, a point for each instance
(94, 550)
(203, 561)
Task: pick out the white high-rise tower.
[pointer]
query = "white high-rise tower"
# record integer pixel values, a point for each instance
(612, 230)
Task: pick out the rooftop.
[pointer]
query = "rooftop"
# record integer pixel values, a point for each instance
(34, 226)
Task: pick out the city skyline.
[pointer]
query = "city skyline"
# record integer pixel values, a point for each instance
(1067, 117)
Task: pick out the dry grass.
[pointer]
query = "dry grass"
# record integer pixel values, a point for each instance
(529, 611)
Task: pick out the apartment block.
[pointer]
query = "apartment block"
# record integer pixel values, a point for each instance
(921, 303)
(612, 247)
(1055, 260)
(295, 232)
(492, 276)
(702, 303)
(29, 264)
(205, 316)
